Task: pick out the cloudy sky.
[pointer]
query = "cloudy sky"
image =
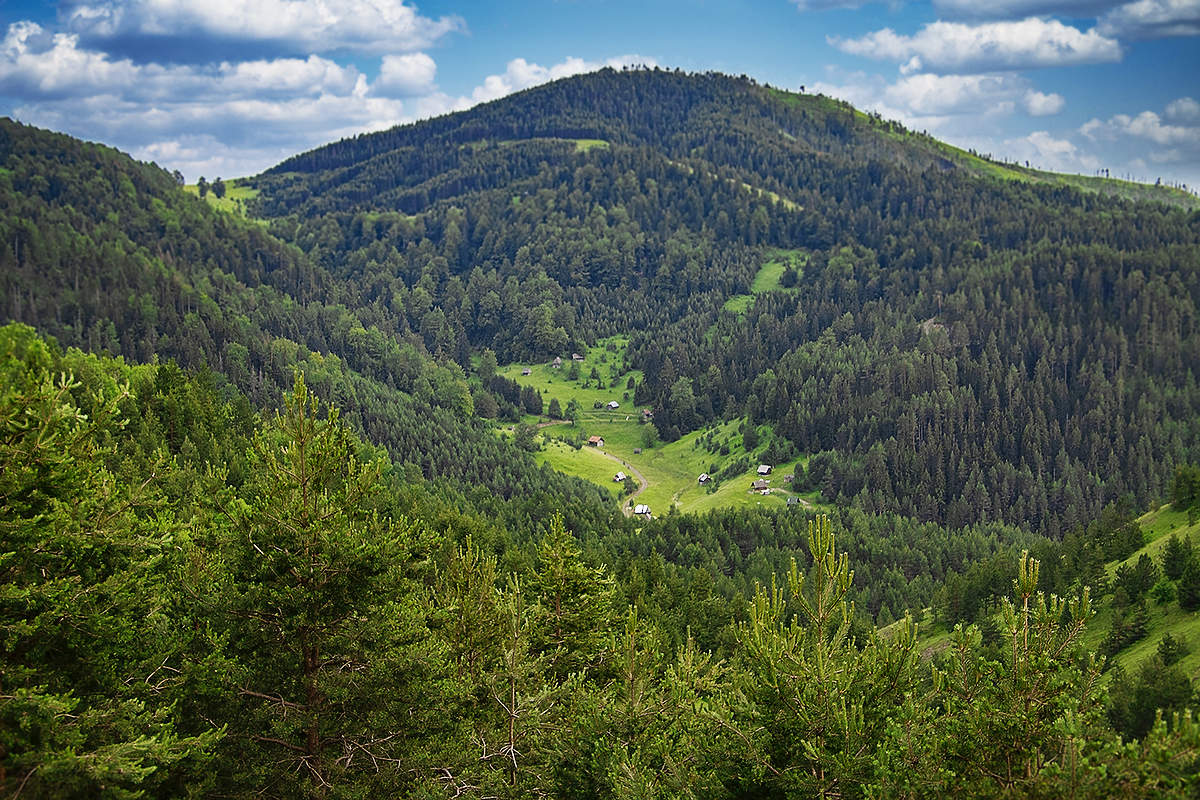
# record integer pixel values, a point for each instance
(230, 87)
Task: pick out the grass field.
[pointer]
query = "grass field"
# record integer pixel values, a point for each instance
(1163, 619)
(586, 462)
(234, 200)
(581, 145)
(1169, 618)
(767, 278)
(607, 358)
(671, 470)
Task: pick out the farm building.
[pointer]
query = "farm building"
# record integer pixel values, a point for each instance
(557, 362)
(620, 476)
(576, 357)
(704, 478)
(760, 484)
(764, 469)
(613, 405)
(527, 371)
(642, 510)
(596, 441)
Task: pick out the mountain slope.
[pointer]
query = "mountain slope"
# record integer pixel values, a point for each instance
(965, 341)
(109, 254)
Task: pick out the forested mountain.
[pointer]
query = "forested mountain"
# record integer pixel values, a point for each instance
(966, 340)
(110, 255)
(214, 584)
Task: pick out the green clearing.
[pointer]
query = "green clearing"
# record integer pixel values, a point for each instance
(1157, 526)
(607, 357)
(581, 145)
(670, 470)
(585, 462)
(234, 201)
(768, 277)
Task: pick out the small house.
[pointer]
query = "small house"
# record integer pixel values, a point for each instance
(557, 362)
(613, 405)
(641, 510)
(761, 484)
(764, 469)
(576, 357)
(637, 451)
(527, 371)
(619, 477)
(704, 478)
(596, 441)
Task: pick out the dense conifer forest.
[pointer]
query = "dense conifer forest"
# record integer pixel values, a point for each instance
(259, 536)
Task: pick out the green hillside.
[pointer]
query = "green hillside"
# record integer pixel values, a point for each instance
(1165, 617)
(294, 521)
(937, 286)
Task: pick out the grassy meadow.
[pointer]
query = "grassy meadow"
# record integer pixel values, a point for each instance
(234, 200)
(767, 278)
(670, 470)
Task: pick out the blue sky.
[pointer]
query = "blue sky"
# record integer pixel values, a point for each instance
(230, 87)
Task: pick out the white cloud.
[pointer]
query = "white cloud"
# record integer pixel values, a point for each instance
(1019, 9)
(309, 26)
(520, 74)
(406, 75)
(1173, 145)
(34, 65)
(1044, 151)
(290, 76)
(961, 48)
(1146, 125)
(33, 61)
(952, 94)
(1039, 104)
(232, 118)
(944, 104)
(1185, 109)
(1152, 19)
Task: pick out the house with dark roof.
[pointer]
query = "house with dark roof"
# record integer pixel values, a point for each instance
(760, 484)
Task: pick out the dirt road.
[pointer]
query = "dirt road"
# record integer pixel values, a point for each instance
(627, 509)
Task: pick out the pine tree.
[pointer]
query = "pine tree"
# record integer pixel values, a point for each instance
(1189, 585)
(326, 618)
(93, 657)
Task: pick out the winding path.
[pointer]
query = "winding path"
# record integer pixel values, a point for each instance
(643, 484)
